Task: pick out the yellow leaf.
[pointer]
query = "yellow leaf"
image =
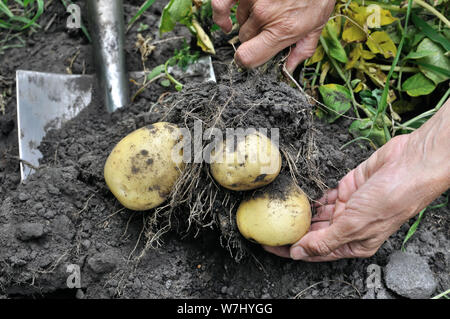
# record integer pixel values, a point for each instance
(203, 40)
(317, 57)
(374, 73)
(325, 69)
(355, 55)
(355, 27)
(353, 32)
(367, 55)
(361, 86)
(380, 42)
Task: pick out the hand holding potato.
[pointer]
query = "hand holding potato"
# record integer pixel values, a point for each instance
(375, 199)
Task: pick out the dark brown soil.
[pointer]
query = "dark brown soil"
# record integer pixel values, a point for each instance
(64, 214)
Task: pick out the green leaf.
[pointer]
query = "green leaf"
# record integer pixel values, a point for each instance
(437, 59)
(434, 68)
(165, 83)
(418, 85)
(365, 128)
(338, 100)
(418, 55)
(157, 70)
(175, 11)
(413, 228)
(430, 32)
(4, 8)
(141, 10)
(335, 47)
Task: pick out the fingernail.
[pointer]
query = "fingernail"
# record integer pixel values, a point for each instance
(236, 60)
(298, 253)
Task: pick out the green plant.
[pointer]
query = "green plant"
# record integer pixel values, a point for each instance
(144, 7)
(188, 13)
(182, 58)
(442, 295)
(365, 39)
(20, 15)
(414, 226)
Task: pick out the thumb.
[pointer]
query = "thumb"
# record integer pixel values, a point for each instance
(259, 49)
(304, 49)
(322, 242)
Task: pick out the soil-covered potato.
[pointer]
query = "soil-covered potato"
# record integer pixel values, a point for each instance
(278, 216)
(143, 168)
(247, 163)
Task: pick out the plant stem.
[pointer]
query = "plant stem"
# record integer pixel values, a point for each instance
(428, 7)
(445, 293)
(319, 64)
(382, 5)
(383, 67)
(429, 112)
(178, 85)
(383, 103)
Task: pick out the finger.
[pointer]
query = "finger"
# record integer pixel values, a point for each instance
(330, 257)
(304, 49)
(248, 30)
(333, 255)
(347, 186)
(339, 209)
(281, 251)
(243, 11)
(324, 213)
(321, 242)
(328, 198)
(319, 225)
(259, 49)
(221, 13)
(349, 250)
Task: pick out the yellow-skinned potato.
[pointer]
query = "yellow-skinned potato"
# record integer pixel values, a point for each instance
(276, 217)
(141, 169)
(252, 162)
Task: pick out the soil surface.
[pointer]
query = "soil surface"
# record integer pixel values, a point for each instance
(64, 214)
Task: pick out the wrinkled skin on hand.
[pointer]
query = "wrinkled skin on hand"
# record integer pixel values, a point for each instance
(372, 201)
(269, 26)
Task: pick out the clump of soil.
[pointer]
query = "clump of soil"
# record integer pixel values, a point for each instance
(64, 215)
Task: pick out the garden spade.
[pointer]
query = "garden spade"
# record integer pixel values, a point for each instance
(46, 100)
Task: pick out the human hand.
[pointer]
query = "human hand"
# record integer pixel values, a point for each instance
(375, 199)
(268, 26)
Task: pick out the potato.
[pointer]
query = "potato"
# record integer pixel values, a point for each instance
(253, 161)
(276, 217)
(141, 169)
